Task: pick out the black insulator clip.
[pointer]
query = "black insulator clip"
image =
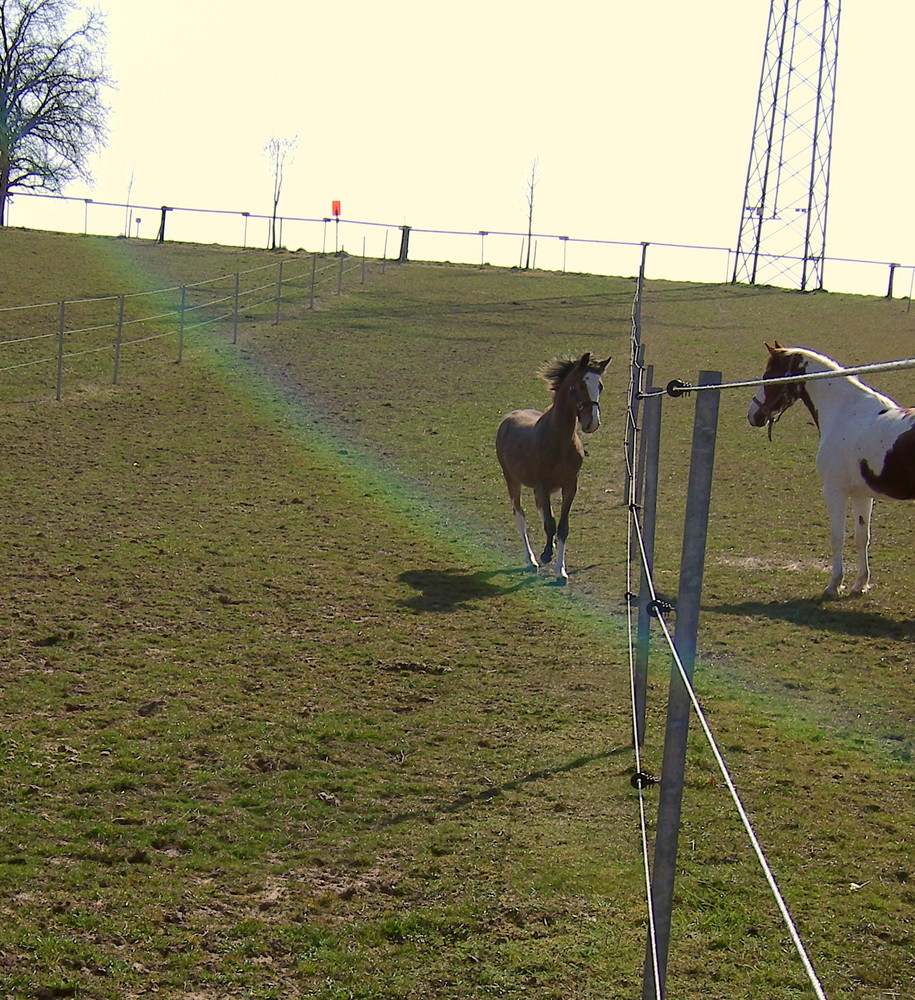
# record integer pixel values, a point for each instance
(641, 779)
(657, 607)
(677, 387)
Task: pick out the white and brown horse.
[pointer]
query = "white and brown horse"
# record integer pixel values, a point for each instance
(543, 451)
(867, 444)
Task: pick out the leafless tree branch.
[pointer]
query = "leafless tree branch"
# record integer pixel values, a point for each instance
(52, 75)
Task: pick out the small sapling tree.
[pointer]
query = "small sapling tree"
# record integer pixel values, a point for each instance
(531, 184)
(277, 151)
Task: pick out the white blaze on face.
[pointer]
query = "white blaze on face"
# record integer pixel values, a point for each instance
(755, 415)
(590, 415)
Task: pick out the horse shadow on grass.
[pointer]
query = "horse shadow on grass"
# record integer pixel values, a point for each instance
(450, 589)
(467, 799)
(840, 615)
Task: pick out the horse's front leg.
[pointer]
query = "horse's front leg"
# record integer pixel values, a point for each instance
(836, 505)
(862, 508)
(542, 496)
(562, 532)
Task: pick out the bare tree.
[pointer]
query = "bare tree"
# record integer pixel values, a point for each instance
(277, 151)
(531, 184)
(52, 74)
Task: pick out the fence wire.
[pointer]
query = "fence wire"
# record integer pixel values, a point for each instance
(639, 770)
(215, 305)
(677, 387)
(636, 544)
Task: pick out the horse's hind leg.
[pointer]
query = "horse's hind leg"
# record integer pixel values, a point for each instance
(514, 492)
(862, 507)
(542, 497)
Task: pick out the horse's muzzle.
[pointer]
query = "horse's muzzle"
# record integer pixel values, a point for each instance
(589, 416)
(758, 414)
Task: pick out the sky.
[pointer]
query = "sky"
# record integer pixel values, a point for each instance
(638, 116)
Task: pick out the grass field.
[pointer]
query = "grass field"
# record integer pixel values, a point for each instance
(282, 717)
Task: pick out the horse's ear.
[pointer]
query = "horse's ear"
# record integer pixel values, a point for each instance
(601, 365)
(584, 360)
(771, 349)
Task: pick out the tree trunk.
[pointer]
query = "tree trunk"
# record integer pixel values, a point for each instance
(4, 187)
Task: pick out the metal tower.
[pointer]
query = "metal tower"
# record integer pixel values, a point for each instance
(783, 225)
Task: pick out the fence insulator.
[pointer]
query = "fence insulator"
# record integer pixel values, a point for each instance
(677, 387)
(641, 779)
(657, 607)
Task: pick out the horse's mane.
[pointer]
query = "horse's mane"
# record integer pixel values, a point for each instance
(822, 362)
(827, 363)
(555, 372)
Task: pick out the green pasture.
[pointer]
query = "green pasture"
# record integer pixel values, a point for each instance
(281, 716)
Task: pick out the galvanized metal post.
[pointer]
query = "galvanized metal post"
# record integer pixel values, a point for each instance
(648, 474)
(181, 311)
(279, 294)
(61, 326)
(692, 565)
(635, 386)
(637, 357)
(340, 278)
(117, 340)
(235, 311)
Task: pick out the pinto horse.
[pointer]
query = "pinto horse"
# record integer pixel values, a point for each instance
(543, 451)
(867, 444)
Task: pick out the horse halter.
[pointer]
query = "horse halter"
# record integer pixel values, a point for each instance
(580, 404)
(785, 397)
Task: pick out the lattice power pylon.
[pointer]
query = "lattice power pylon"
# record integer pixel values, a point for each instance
(783, 225)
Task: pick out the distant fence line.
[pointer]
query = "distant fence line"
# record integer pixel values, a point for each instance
(235, 231)
(102, 326)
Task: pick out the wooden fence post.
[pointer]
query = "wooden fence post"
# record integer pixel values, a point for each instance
(404, 245)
